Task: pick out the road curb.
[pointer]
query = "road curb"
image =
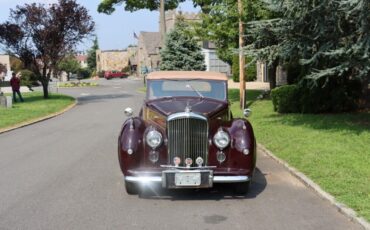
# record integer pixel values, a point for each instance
(36, 120)
(342, 208)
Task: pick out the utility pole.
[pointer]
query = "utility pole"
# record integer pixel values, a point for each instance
(241, 56)
(162, 21)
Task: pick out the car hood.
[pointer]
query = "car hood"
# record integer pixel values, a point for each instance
(204, 106)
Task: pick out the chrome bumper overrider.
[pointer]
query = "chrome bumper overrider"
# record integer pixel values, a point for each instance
(158, 179)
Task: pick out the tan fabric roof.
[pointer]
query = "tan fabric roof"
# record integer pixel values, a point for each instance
(186, 75)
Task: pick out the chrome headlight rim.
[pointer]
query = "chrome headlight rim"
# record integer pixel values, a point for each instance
(221, 134)
(151, 136)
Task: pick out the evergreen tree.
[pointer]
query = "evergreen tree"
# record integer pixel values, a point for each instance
(91, 55)
(181, 51)
(330, 41)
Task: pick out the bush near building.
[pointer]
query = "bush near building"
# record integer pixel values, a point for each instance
(83, 73)
(331, 95)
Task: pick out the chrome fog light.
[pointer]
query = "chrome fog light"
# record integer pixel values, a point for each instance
(153, 156)
(188, 162)
(246, 151)
(199, 161)
(130, 151)
(221, 157)
(176, 161)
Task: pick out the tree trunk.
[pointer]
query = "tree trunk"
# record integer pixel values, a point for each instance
(45, 89)
(365, 95)
(162, 20)
(272, 74)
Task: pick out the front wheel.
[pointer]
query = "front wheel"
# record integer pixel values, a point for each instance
(131, 188)
(242, 188)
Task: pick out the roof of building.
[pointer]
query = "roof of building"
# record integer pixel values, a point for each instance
(186, 75)
(152, 40)
(81, 58)
(111, 51)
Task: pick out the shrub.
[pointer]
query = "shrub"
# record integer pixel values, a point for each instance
(126, 69)
(101, 74)
(332, 94)
(28, 78)
(94, 73)
(251, 70)
(83, 73)
(285, 99)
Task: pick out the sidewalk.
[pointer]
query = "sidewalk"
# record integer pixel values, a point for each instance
(249, 85)
(23, 89)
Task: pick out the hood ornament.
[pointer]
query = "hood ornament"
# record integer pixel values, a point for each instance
(187, 108)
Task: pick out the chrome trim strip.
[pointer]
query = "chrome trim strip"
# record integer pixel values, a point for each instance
(143, 179)
(186, 115)
(230, 179)
(189, 168)
(216, 179)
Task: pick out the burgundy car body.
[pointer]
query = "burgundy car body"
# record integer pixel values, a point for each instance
(179, 121)
(114, 74)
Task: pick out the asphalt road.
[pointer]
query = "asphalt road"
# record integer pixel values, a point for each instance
(63, 173)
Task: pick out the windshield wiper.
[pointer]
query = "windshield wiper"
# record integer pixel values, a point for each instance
(191, 87)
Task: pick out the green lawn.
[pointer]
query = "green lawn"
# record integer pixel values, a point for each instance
(332, 149)
(33, 107)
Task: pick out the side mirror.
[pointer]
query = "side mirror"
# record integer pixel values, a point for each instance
(247, 112)
(128, 112)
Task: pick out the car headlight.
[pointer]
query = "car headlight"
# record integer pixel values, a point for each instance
(154, 138)
(221, 139)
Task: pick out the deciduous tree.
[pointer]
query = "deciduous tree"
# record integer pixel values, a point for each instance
(69, 64)
(219, 23)
(91, 55)
(108, 6)
(42, 35)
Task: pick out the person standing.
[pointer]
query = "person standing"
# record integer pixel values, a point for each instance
(15, 82)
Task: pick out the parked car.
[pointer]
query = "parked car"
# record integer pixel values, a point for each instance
(185, 136)
(114, 74)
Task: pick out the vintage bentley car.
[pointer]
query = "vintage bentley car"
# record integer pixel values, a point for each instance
(185, 136)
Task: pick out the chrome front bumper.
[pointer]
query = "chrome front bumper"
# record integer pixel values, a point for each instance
(158, 179)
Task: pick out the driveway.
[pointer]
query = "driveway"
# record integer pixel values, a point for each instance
(63, 173)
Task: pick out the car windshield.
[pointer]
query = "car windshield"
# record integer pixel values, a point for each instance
(187, 88)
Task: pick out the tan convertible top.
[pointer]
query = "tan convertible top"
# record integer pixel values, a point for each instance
(186, 75)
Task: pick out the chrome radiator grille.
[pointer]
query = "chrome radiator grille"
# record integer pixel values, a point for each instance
(187, 137)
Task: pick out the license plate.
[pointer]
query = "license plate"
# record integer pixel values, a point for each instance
(187, 179)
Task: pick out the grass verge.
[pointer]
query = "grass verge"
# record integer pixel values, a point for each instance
(77, 84)
(35, 106)
(142, 89)
(332, 149)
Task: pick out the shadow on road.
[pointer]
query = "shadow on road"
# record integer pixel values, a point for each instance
(218, 192)
(100, 98)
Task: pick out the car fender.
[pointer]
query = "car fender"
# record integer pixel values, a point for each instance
(131, 138)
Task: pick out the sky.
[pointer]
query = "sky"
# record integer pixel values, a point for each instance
(114, 31)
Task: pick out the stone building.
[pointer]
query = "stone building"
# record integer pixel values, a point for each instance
(148, 57)
(149, 46)
(5, 60)
(171, 17)
(109, 60)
